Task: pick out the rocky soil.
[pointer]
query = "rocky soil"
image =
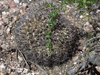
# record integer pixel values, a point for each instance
(9, 15)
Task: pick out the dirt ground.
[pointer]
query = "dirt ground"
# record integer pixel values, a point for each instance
(9, 65)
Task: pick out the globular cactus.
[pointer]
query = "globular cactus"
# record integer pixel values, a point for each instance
(30, 36)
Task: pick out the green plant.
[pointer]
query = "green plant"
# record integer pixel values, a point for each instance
(89, 36)
(89, 43)
(50, 24)
(81, 4)
(85, 4)
(63, 3)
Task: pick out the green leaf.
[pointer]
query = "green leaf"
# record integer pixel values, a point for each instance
(47, 42)
(69, 1)
(54, 23)
(50, 21)
(80, 2)
(88, 21)
(51, 26)
(48, 4)
(82, 13)
(51, 4)
(50, 14)
(47, 32)
(84, 1)
(79, 7)
(45, 4)
(89, 46)
(64, 10)
(88, 51)
(87, 16)
(48, 36)
(88, 10)
(89, 36)
(50, 47)
(89, 3)
(53, 14)
(48, 53)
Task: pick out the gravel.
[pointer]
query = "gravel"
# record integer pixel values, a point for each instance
(10, 11)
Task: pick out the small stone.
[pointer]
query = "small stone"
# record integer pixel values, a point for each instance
(4, 46)
(47, 49)
(34, 73)
(57, 38)
(20, 58)
(98, 23)
(87, 14)
(16, 1)
(25, 70)
(0, 19)
(75, 63)
(1, 22)
(87, 23)
(4, 13)
(7, 13)
(35, 38)
(6, 6)
(98, 68)
(33, 34)
(25, 4)
(98, 11)
(8, 30)
(12, 37)
(0, 4)
(12, 4)
(81, 16)
(21, 11)
(12, 10)
(68, 6)
(2, 67)
(19, 70)
(20, 3)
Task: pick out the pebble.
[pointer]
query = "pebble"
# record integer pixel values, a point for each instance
(20, 58)
(4, 46)
(12, 10)
(68, 6)
(4, 13)
(11, 4)
(2, 67)
(19, 70)
(81, 16)
(75, 63)
(33, 34)
(23, 6)
(98, 23)
(98, 68)
(0, 19)
(87, 23)
(0, 4)
(98, 11)
(1, 22)
(33, 73)
(16, 1)
(12, 37)
(25, 70)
